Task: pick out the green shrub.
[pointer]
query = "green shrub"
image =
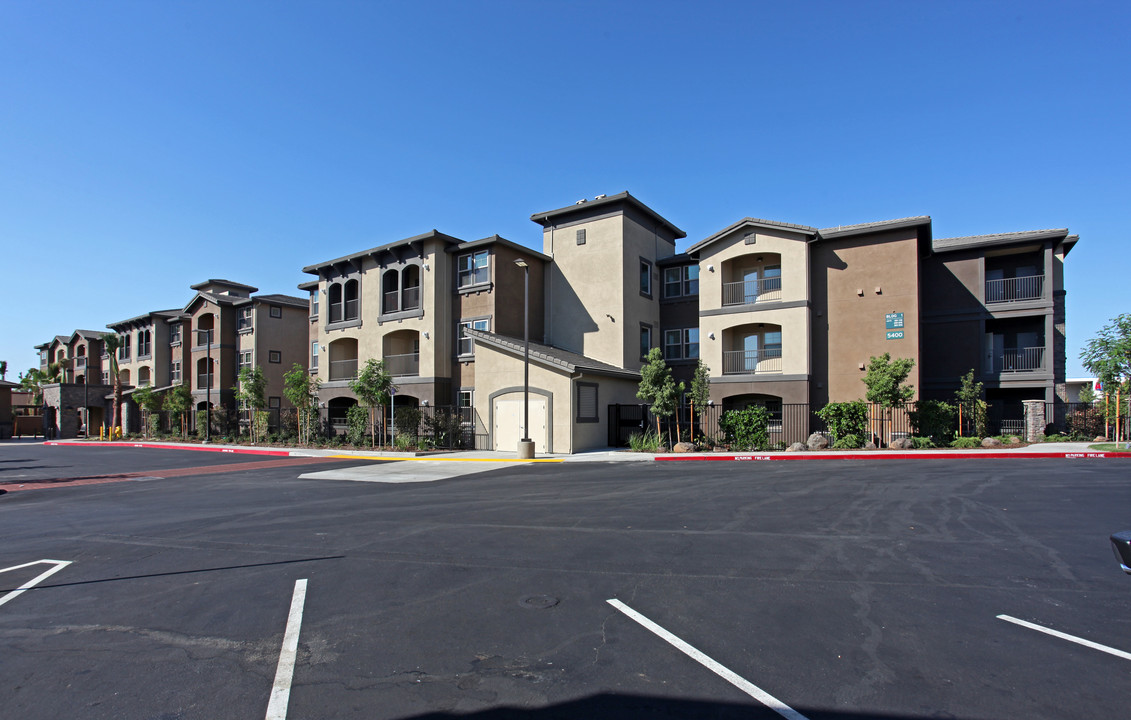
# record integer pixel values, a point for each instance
(404, 442)
(357, 423)
(934, 419)
(407, 422)
(923, 443)
(851, 441)
(647, 441)
(965, 443)
(747, 429)
(846, 418)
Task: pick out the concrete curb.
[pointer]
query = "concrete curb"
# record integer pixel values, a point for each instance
(895, 455)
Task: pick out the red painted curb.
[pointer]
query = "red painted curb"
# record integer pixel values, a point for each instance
(194, 448)
(880, 455)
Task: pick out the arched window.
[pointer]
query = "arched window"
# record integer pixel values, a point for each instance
(205, 368)
(143, 376)
(335, 303)
(410, 288)
(205, 325)
(352, 303)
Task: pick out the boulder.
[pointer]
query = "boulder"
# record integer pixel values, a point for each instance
(685, 447)
(662, 450)
(1100, 438)
(718, 448)
(902, 444)
(797, 447)
(1014, 440)
(991, 442)
(817, 441)
(869, 445)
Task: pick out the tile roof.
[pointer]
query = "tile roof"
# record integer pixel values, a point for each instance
(548, 355)
(752, 222)
(545, 219)
(845, 230)
(431, 234)
(977, 241)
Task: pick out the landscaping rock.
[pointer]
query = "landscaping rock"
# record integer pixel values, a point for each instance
(869, 445)
(797, 447)
(663, 449)
(817, 441)
(1100, 438)
(718, 448)
(685, 447)
(902, 444)
(991, 442)
(1014, 440)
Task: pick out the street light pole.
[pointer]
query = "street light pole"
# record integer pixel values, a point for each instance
(208, 390)
(525, 445)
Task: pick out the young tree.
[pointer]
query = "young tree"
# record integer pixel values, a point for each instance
(250, 393)
(1087, 394)
(658, 389)
(971, 405)
(884, 380)
(300, 389)
(178, 400)
(3, 369)
(150, 403)
(111, 342)
(700, 392)
(372, 387)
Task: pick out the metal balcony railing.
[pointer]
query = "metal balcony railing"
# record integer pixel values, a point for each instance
(747, 292)
(1022, 360)
(410, 298)
(343, 369)
(401, 365)
(203, 380)
(392, 301)
(1030, 287)
(747, 362)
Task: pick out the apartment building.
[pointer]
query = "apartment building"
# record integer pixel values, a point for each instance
(75, 399)
(410, 304)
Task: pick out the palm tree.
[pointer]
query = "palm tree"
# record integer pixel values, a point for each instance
(110, 342)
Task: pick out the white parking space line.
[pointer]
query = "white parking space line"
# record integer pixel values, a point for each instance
(59, 565)
(281, 691)
(1065, 636)
(726, 674)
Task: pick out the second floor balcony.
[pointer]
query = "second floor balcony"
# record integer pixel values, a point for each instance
(1016, 289)
(403, 365)
(755, 350)
(343, 369)
(751, 279)
(746, 292)
(1026, 359)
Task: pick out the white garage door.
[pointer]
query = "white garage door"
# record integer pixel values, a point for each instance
(508, 422)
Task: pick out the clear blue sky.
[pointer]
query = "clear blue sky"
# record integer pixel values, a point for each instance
(147, 146)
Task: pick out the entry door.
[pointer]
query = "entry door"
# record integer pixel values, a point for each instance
(750, 285)
(508, 422)
(750, 353)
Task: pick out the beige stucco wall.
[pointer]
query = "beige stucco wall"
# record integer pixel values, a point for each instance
(794, 323)
(791, 247)
(496, 371)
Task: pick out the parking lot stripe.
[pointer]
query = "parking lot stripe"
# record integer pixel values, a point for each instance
(281, 691)
(59, 565)
(725, 673)
(1065, 636)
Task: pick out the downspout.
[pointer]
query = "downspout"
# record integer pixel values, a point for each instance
(548, 310)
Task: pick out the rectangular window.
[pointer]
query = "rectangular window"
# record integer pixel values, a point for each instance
(772, 344)
(473, 269)
(274, 403)
(581, 237)
(244, 322)
(274, 356)
(691, 343)
(587, 402)
(245, 360)
(314, 304)
(465, 399)
(467, 344)
(681, 281)
(175, 334)
(314, 356)
(645, 278)
(276, 311)
(673, 344)
(175, 372)
(645, 340)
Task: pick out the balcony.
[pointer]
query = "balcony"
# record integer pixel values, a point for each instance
(403, 365)
(749, 362)
(1029, 359)
(343, 369)
(203, 381)
(1030, 287)
(748, 292)
(407, 299)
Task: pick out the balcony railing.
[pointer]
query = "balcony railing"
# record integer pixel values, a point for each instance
(401, 365)
(392, 301)
(747, 292)
(203, 380)
(747, 362)
(1016, 289)
(1021, 360)
(343, 369)
(411, 298)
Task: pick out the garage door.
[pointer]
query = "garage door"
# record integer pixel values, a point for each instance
(508, 422)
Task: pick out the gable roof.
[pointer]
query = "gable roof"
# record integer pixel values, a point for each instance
(841, 231)
(498, 240)
(149, 317)
(752, 222)
(223, 283)
(551, 357)
(581, 207)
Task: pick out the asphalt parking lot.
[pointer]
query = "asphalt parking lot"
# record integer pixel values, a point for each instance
(821, 590)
